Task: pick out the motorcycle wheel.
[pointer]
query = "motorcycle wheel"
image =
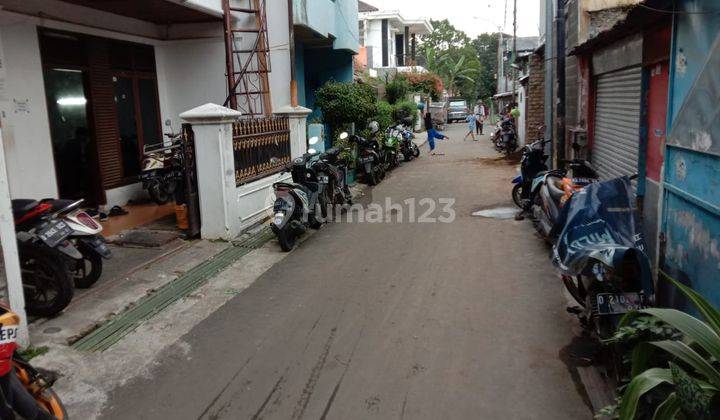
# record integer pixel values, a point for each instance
(88, 270)
(574, 289)
(47, 399)
(159, 194)
(372, 176)
(517, 195)
(286, 238)
(47, 283)
(416, 150)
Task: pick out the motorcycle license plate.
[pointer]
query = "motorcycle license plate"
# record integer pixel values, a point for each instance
(365, 159)
(54, 232)
(619, 303)
(323, 179)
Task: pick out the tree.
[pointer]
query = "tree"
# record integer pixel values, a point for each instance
(444, 36)
(467, 67)
(486, 46)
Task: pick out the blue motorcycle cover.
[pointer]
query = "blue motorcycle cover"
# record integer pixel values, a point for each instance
(600, 225)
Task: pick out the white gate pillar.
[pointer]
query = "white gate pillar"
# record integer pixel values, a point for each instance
(212, 126)
(297, 116)
(10, 251)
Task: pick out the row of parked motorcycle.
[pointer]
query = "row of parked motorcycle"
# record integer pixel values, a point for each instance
(60, 248)
(597, 240)
(319, 180)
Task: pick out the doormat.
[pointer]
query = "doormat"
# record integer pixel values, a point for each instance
(142, 238)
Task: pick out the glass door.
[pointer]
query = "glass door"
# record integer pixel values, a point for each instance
(72, 143)
(138, 118)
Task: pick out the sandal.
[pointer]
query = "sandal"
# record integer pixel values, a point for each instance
(117, 211)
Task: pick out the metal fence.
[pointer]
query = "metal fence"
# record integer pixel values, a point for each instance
(261, 146)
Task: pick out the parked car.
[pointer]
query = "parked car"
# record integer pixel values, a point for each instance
(457, 110)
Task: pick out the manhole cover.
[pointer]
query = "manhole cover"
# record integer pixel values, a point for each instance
(497, 213)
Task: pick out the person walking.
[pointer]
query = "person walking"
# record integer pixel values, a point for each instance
(480, 117)
(471, 120)
(432, 133)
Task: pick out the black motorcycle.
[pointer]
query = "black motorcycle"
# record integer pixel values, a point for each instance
(297, 204)
(506, 137)
(600, 254)
(370, 158)
(45, 253)
(532, 164)
(162, 171)
(330, 168)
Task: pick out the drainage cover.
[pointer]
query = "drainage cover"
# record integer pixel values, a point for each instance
(498, 213)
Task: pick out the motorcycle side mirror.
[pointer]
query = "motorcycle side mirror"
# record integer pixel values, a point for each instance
(312, 151)
(343, 135)
(313, 140)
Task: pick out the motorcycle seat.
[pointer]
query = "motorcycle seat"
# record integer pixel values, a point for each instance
(332, 152)
(22, 206)
(62, 204)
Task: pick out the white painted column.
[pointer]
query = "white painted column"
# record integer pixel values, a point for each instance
(213, 129)
(298, 128)
(10, 251)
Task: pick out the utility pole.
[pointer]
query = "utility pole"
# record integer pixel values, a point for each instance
(549, 77)
(514, 53)
(560, 36)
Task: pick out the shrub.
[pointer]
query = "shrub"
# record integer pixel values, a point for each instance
(427, 83)
(344, 103)
(685, 383)
(384, 114)
(405, 109)
(397, 90)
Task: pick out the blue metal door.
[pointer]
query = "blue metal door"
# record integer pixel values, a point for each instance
(690, 236)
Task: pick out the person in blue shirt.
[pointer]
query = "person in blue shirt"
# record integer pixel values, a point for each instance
(432, 133)
(471, 118)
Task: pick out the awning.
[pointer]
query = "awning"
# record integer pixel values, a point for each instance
(160, 12)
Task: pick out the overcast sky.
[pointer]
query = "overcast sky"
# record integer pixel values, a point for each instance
(472, 16)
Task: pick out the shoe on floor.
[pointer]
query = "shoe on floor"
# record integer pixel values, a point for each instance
(103, 217)
(117, 211)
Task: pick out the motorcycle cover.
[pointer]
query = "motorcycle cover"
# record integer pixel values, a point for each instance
(599, 224)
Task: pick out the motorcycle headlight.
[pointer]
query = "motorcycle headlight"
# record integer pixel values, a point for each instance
(279, 217)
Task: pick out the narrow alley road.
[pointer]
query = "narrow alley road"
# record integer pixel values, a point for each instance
(461, 320)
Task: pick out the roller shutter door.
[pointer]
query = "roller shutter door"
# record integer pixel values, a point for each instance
(617, 123)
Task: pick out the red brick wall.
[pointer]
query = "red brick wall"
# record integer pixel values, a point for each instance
(535, 96)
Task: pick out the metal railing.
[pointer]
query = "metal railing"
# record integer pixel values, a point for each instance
(261, 147)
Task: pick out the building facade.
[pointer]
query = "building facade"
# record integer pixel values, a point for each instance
(388, 39)
(85, 85)
(326, 39)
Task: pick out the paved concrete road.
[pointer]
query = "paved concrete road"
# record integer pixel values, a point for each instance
(461, 320)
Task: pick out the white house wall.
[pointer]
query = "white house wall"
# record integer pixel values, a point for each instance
(26, 133)
(374, 40)
(279, 40)
(182, 83)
